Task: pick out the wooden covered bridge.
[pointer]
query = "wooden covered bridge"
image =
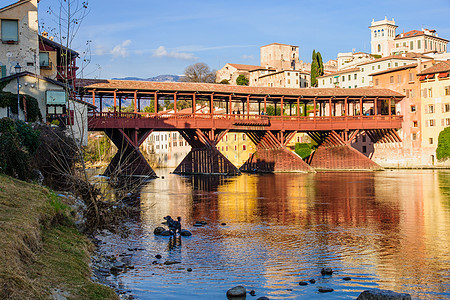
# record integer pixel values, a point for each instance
(331, 117)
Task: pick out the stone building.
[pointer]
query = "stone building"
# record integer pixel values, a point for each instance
(231, 72)
(285, 78)
(280, 57)
(385, 41)
(435, 108)
(19, 37)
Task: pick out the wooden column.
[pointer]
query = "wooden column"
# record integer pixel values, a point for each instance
(360, 106)
(229, 104)
(135, 101)
(389, 107)
(298, 106)
(265, 104)
(211, 104)
(329, 103)
(314, 104)
(248, 105)
(175, 102)
(375, 108)
(139, 104)
(193, 104)
(93, 97)
(115, 101)
(101, 103)
(120, 103)
(346, 106)
(282, 106)
(155, 96)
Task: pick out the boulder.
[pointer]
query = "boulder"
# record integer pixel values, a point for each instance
(263, 298)
(325, 290)
(158, 230)
(379, 294)
(166, 233)
(170, 262)
(185, 232)
(326, 271)
(312, 281)
(302, 283)
(237, 291)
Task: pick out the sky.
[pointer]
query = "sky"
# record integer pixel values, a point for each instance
(146, 38)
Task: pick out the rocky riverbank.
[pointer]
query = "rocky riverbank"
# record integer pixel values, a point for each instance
(43, 253)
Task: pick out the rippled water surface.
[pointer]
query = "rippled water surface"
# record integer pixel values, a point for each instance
(388, 230)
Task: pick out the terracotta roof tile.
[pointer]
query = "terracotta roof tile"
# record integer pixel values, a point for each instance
(340, 72)
(410, 66)
(414, 33)
(245, 67)
(170, 87)
(387, 58)
(437, 68)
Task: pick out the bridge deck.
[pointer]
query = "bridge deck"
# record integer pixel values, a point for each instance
(172, 122)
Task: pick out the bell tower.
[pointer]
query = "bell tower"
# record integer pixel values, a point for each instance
(382, 36)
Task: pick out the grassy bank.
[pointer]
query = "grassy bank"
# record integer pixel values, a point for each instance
(42, 252)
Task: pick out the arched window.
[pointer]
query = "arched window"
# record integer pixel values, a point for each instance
(379, 47)
(375, 33)
(382, 32)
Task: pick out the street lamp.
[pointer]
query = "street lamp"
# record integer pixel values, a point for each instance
(18, 69)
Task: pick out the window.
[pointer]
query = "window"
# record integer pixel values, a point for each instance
(379, 67)
(364, 149)
(379, 47)
(376, 81)
(418, 44)
(244, 147)
(389, 65)
(349, 77)
(447, 121)
(411, 77)
(343, 78)
(431, 108)
(391, 79)
(446, 107)
(430, 92)
(235, 137)
(414, 136)
(355, 76)
(289, 81)
(362, 69)
(373, 67)
(415, 124)
(235, 147)
(447, 90)
(396, 45)
(432, 122)
(430, 140)
(331, 80)
(363, 138)
(243, 136)
(396, 64)
(362, 80)
(413, 108)
(411, 45)
(10, 31)
(399, 78)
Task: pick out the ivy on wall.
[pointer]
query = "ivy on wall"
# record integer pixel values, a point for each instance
(8, 99)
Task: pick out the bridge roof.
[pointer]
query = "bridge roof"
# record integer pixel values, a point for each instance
(187, 87)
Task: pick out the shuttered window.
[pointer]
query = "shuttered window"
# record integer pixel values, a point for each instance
(10, 31)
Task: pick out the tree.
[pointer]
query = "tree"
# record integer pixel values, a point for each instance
(443, 148)
(242, 80)
(199, 72)
(317, 68)
(224, 81)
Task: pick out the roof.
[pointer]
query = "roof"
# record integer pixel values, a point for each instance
(341, 72)
(279, 45)
(26, 73)
(400, 57)
(82, 82)
(246, 67)
(20, 2)
(437, 68)
(263, 69)
(171, 87)
(414, 33)
(56, 45)
(282, 71)
(410, 66)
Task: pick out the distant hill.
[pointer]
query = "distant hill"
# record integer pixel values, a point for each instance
(160, 78)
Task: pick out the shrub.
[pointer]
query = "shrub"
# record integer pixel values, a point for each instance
(303, 149)
(443, 148)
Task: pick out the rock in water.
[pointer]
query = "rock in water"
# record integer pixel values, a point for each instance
(302, 283)
(169, 262)
(185, 232)
(158, 230)
(378, 294)
(166, 233)
(326, 271)
(325, 290)
(263, 298)
(237, 291)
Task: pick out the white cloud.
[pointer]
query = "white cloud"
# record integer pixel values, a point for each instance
(121, 49)
(162, 52)
(247, 56)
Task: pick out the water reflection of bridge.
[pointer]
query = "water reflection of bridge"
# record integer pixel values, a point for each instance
(333, 118)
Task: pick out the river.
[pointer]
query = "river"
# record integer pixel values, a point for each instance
(387, 229)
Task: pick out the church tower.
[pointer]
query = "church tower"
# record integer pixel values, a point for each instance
(382, 36)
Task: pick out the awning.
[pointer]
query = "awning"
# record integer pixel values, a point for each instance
(430, 76)
(443, 75)
(337, 76)
(423, 77)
